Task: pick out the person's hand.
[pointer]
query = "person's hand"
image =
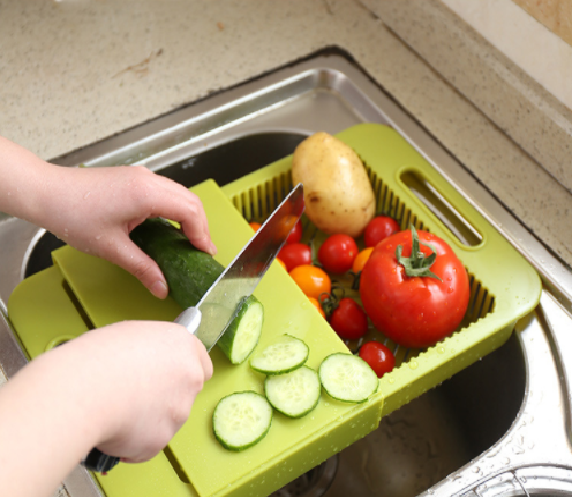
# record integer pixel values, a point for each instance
(95, 209)
(149, 374)
(126, 388)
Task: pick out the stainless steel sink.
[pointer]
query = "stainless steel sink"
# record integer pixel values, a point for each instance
(500, 427)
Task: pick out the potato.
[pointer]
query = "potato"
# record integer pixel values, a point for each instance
(338, 195)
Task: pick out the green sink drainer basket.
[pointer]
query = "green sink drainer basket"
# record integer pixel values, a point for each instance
(60, 302)
(504, 286)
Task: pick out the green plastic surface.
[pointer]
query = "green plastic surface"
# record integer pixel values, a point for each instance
(107, 294)
(42, 313)
(504, 288)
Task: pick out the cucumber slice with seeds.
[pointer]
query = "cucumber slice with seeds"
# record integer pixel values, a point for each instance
(242, 335)
(285, 354)
(241, 420)
(347, 377)
(293, 394)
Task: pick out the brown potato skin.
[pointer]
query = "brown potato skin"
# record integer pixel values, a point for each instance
(338, 195)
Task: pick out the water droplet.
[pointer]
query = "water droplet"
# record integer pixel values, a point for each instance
(87, 195)
(413, 365)
(517, 450)
(440, 350)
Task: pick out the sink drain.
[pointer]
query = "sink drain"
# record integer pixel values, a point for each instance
(313, 483)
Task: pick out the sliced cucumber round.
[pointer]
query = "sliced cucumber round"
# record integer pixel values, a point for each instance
(285, 354)
(242, 335)
(241, 419)
(347, 377)
(294, 394)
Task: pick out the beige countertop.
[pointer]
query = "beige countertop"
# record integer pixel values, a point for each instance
(73, 72)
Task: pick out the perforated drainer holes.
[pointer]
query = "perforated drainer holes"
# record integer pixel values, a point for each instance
(432, 198)
(313, 483)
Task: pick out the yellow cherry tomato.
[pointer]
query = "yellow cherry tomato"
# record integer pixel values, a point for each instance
(361, 258)
(312, 280)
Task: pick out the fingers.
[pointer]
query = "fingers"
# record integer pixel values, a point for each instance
(191, 367)
(183, 206)
(146, 419)
(130, 257)
(204, 359)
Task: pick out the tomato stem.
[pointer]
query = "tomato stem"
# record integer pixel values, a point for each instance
(355, 279)
(329, 301)
(418, 264)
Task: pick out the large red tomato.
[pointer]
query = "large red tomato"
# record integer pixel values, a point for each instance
(415, 301)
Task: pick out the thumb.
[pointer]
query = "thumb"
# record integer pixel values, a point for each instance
(131, 258)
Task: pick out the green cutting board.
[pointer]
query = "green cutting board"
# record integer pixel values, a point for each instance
(107, 294)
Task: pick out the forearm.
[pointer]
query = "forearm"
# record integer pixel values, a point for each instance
(25, 180)
(48, 423)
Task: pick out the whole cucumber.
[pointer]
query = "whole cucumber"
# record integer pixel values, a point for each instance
(189, 271)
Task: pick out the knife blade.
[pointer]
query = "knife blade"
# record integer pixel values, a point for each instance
(209, 319)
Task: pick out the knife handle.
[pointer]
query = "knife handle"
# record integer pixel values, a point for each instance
(97, 461)
(190, 318)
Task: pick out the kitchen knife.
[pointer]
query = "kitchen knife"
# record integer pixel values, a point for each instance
(209, 319)
(220, 305)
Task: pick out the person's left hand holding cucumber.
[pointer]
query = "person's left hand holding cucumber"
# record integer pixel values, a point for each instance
(94, 209)
(125, 388)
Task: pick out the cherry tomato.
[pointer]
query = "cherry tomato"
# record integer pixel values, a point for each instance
(414, 311)
(361, 258)
(378, 356)
(316, 304)
(295, 254)
(296, 233)
(337, 253)
(379, 228)
(312, 280)
(349, 320)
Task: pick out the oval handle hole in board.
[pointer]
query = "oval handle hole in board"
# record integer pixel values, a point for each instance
(450, 217)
